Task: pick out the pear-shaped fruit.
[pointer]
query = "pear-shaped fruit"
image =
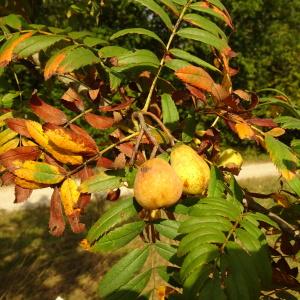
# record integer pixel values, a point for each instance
(156, 184)
(230, 158)
(191, 168)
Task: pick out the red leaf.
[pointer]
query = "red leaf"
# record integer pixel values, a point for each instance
(84, 135)
(113, 195)
(83, 201)
(127, 149)
(73, 100)
(85, 173)
(56, 221)
(196, 93)
(262, 122)
(18, 125)
(120, 161)
(105, 163)
(21, 194)
(99, 122)
(8, 178)
(47, 112)
(114, 107)
(22, 153)
(74, 221)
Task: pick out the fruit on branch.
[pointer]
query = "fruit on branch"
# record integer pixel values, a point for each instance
(156, 184)
(230, 158)
(191, 168)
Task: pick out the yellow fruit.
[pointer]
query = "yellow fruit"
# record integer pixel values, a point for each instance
(156, 184)
(191, 168)
(230, 158)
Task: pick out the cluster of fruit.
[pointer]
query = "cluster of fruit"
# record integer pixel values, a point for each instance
(160, 184)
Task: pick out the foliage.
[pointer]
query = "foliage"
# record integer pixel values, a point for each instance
(140, 102)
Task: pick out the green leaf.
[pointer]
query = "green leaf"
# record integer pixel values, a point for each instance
(288, 122)
(138, 57)
(153, 6)
(192, 58)
(142, 31)
(197, 258)
(123, 271)
(169, 274)
(285, 161)
(111, 51)
(8, 99)
(215, 222)
(170, 4)
(99, 183)
(94, 41)
(78, 35)
(133, 288)
(77, 58)
(168, 228)
(14, 21)
(295, 144)
(117, 213)
(205, 24)
(35, 44)
(263, 218)
(180, 2)
(169, 110)
(176, 64)
(218, 4)
(167, 251)
(237, 192)
(216, 187)
(118, 237)
(204, 37)
(197, 238)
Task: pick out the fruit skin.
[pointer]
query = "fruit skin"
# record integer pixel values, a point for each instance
(230, 158)
(156, 185)
(191, 168)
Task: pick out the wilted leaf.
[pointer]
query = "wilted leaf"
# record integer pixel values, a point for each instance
(244, 131)
(21, 194)
(99, 122)
(39, 172)
(56, 220)
(84, 135)
(18, 125)
(71, 97)
(69, 195)
(262, 122)
(29, 184)
(21, 154)
(7, 49)
(115, 107)
(47, 112)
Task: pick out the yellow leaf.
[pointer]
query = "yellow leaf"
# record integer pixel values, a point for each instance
(7, 135)
(29, 184)
(52, 65)
(39, 172)
(36, 131)
(12, 144)
(69, 195)
(277, 131)
(26, 142)
(61, 139)
(4, 117)
(244, 131)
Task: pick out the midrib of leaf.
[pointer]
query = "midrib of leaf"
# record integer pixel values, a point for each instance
(162, 62)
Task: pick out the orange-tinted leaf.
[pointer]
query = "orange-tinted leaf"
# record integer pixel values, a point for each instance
(18, 125)
(99, 122)
(199, 78)
(74, 221)
(120, 106)
(47, 112)
(36, 132)
(120, 161)
(197, 93)
(39, 172)
(7, 178)
(281, 199)
(56, 221)
(20, 154)
(7, 50)
(72, 100)
(244, 131)
(88, 140)
(276, 131)
(53, 64)
(104, 162)
(21, 194)
(83, 201)
(12, 144)
(69, 195)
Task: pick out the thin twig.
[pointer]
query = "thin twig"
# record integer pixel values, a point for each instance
(162, 62)
(78, 117)
(136, 147)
